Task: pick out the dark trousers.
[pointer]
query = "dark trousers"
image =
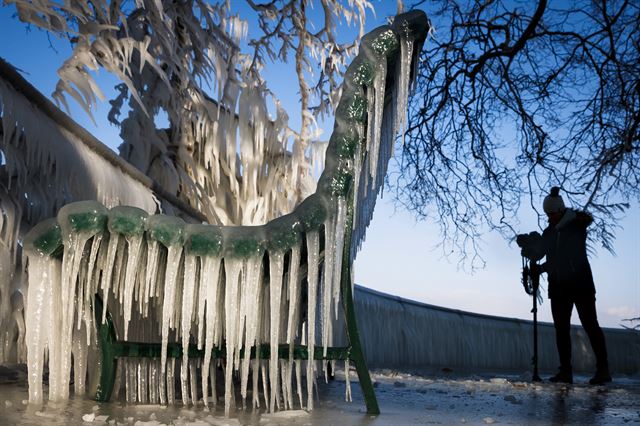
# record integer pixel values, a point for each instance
(561, 308)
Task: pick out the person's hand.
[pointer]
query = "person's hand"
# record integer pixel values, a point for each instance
(536, 269)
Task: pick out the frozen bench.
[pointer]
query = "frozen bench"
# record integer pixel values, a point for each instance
(105, 285)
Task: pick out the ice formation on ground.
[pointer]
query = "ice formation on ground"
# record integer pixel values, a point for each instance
(227, 287)
(406, 399)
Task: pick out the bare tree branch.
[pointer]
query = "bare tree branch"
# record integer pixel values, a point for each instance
(513, 98)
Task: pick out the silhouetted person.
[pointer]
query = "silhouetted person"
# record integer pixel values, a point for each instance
(571, 283)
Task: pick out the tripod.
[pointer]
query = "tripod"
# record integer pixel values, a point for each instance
(531, 283)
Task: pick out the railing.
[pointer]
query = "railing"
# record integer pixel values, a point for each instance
(398, 333)
(222, 293)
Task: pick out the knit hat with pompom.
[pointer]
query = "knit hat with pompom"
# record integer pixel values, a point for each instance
(553, 202)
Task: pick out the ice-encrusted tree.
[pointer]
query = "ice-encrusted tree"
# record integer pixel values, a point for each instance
(195, 68)
(515, 97)
(221, 153)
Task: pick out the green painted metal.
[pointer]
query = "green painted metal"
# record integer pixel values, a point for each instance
(127, 220)
(356, 355)
(168, 230)
(83, 217)
(111, 349)
(45, 238)
(106, 342)
(204, 240)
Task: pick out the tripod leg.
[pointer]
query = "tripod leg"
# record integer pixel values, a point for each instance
(534, 360)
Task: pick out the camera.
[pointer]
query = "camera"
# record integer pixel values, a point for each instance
(531, 245)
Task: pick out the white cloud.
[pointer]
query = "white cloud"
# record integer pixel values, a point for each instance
(621, 311)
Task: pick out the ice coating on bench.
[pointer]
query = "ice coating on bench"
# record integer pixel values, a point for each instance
(230, 288)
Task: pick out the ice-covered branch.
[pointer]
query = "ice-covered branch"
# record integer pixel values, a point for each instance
(167, 54)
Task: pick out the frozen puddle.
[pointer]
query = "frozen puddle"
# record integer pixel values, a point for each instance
(404, 400)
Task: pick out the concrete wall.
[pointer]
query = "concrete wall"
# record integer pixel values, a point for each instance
(399, 333)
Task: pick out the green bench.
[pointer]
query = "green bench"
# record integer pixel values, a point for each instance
(106, 284)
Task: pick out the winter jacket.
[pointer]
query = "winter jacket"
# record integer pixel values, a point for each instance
(567, 265)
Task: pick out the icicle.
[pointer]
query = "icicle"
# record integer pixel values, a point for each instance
(153, 252)
(294, 294)
(170, 368)
(72, 287)
(287, 400)
(187, 314)
(233, 268)
(127, 380)
(153, 381)
(347, 379)
(255, 376)
(201, 301)
(193, 381)
(406, 52)
(212, 375)
(81, 290)
(292, 325)
(141, 282)
(313, 248)
(299, 382)
(143, 384)
(173, 258)
(117, 385)
(108, 271)
(251, 300)
(341, 216)
(276, 265)
(132, 380)
(209, 279)
(376, 123)
(265, 382)
(369, 143)
(91, 285)
(80, 351)
(119, 271)
(327, 279)
(134, 246)
(162, 384)
(38, 321)
(359, 183)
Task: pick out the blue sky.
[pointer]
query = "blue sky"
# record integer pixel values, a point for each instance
(399, 255)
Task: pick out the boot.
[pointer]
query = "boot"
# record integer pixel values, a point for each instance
(601, 377)
(563, 376)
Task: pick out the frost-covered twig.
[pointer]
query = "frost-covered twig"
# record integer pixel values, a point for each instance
(172, 57)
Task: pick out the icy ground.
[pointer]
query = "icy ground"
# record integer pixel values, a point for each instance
(442, 398)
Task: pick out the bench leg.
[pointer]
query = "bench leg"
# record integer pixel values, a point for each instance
(356, 355)
(106, 338)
